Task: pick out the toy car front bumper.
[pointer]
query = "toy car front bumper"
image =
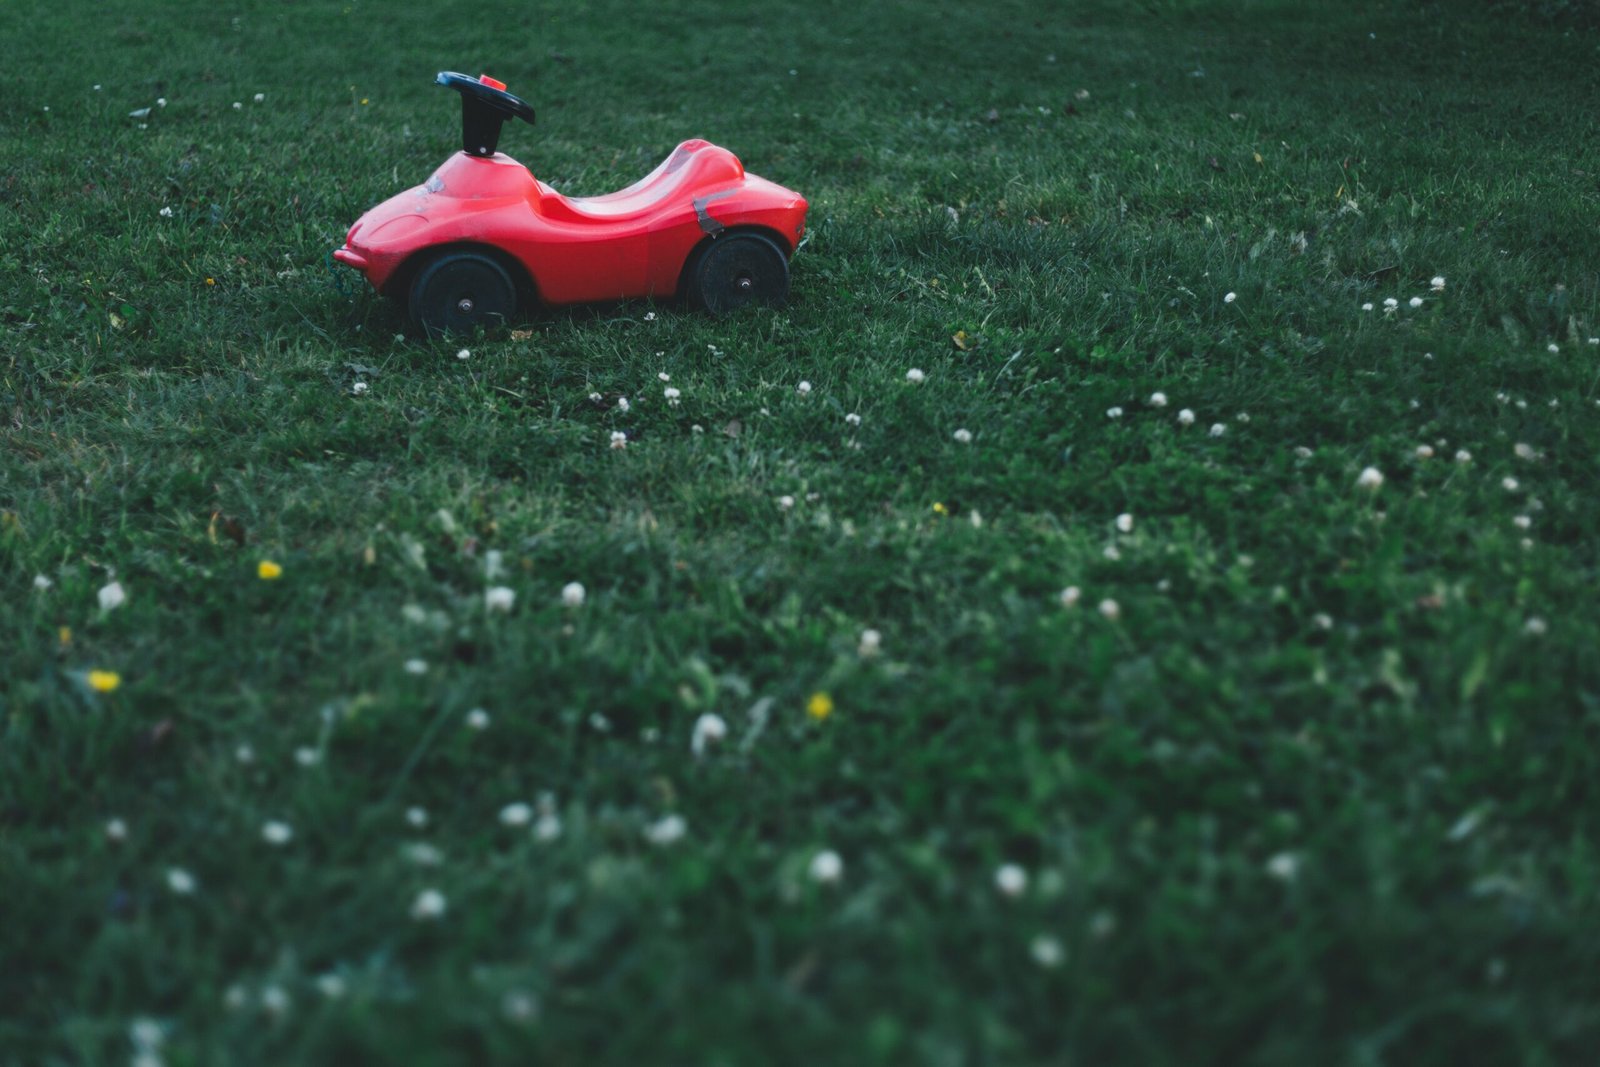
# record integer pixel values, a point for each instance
(351, 259)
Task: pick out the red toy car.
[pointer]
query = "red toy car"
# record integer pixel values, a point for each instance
(483, 234)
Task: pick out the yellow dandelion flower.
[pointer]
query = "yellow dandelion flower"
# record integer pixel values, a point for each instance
(820, 706)
(211, 281)
(65, 636)
(267, 570)
(104, 681)
(939, 508)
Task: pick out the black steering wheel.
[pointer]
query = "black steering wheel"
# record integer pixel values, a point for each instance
(485, 107)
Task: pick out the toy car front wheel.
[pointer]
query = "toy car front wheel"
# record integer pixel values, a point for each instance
(737, 270)
(459, 292)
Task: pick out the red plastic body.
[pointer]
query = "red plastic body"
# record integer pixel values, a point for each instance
(624, 245)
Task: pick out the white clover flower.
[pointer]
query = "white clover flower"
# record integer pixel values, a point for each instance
(1437, 284)
(417, 817)
(331, 986)
(1535, 626)
(1415, 301)
(161, 101)
(826, 867)
(1552, 348)
(112, 596)
(1367, 306)
(166, 212)
(1285, 866)
(963, 436)
(1113, 413)
(274, 1001)
(358, 388)
(421, 853)
(709, 729)
(116, 830)
(804, 388)
(1523, 450)
(415, 666)
(1522, 522)
(1070, 596)
(464, 354)
(1011, 879)
(1047, 951)
(1242, 418)
(1186, 417)
(1158, 400)
(1424, 451)
(1390, 303)
(1302, 452)
(673, 394)
(517, 814)
(666, 831)
(41, 583)
(1111, 552)
(1217, 429)
(519, 1006)
(499, 598)
(870, 645)
(1230, 298)
(852, 419)
(663, 375)
(548, 828)
(181, 881)
(1110, 609)
(245, 753)
(915, 376)
(1322, 620)
(146, 1034)
(276, 833)
(307, 756)
(237, 106)
(573, 594)
(1463, 456)
(477, 719)
(619, 440)
(1125, 522)
(786, 502)
(1370, 478)
(1509, 484)
(259, 97)
(623, 405)
(429, 905)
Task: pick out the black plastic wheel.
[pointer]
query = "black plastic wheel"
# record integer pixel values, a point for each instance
(735, 271)
(459, 292)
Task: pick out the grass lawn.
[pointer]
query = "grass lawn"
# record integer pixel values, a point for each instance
(1185, 738)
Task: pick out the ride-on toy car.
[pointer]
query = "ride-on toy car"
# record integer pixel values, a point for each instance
(483, 234)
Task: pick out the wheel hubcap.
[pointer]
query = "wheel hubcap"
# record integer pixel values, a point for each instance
(745, 283)
(465, 305)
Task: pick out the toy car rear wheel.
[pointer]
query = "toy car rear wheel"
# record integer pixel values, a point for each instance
(735, 271)
(459, 292)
